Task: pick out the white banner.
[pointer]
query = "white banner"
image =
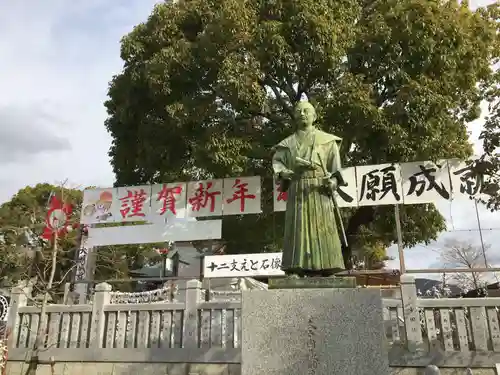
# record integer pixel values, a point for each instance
(177, 231)
(242, 196)
(242, 265)
(379, 184)
(134, 203)
(463, 181)
(347, 194)
(98, 206)
(204, 198)
(425, 182)
(368, 185)
(168, 201)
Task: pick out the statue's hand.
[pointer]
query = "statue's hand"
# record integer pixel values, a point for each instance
(331, 183)
(286, 174)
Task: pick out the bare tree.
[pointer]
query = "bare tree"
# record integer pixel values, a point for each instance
(458, 254)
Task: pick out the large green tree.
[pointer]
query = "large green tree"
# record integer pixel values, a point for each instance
(489, 165)
(208, 86)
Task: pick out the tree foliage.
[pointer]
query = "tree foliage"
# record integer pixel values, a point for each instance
(24, 254)
(22, 221)
(208, 86)
(489, 165)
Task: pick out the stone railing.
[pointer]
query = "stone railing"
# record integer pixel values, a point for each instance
(447, 332)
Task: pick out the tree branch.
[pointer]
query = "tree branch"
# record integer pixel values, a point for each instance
(363, 215)
(267, 115)
(275, 87)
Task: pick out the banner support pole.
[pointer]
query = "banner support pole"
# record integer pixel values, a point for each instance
(397, 218)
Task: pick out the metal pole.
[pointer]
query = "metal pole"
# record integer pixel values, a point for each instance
(480, 234)
(481, 238)
(176, 262)
(202, 267)
(163, 265)
(397, 218)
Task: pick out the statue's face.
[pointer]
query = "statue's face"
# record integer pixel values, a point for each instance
(305, 115)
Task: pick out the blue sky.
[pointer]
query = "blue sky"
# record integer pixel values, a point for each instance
(57, 59)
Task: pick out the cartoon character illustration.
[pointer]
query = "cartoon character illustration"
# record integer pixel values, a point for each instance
(100, 209)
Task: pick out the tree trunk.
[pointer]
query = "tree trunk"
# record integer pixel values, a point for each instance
(42, 328)
(362, 215)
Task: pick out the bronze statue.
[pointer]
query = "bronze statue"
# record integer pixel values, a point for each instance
(307, 166)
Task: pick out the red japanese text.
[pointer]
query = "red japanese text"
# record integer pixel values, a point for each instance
(240, 193)
(203, 197)
(281, 195)
(168, 197)
(133, 203)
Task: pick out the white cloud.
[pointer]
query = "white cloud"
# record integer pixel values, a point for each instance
(57, 59)
(26, 132)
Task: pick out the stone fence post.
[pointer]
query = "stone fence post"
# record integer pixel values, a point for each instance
(193, 298)
(101, 298)
(18, 298)
(411, 313)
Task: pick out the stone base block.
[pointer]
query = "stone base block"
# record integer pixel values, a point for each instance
(311, 282)
(313, 332)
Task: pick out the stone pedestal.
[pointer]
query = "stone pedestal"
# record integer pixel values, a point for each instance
(312, 282)
(313, 332)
